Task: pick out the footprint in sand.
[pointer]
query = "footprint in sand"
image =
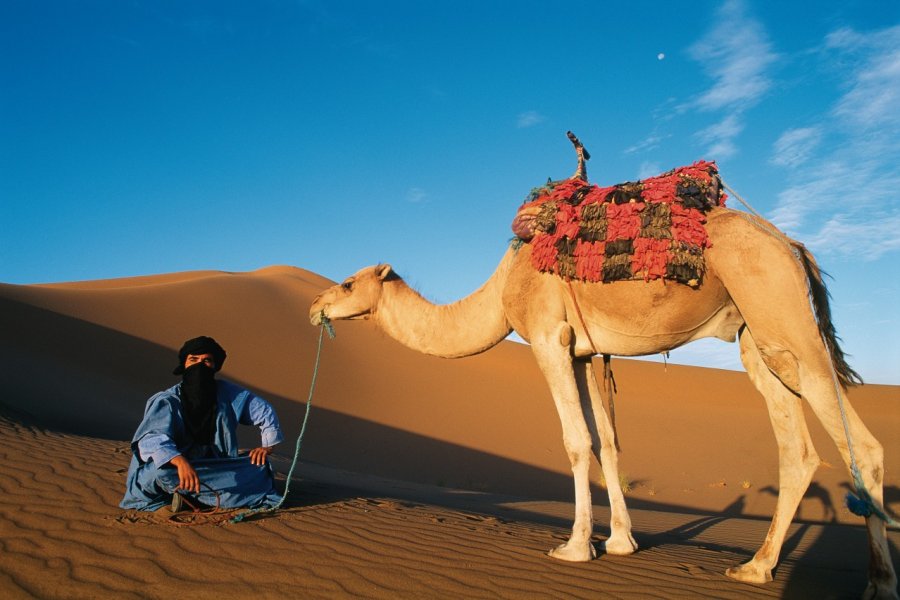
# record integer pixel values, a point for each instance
(696, 571)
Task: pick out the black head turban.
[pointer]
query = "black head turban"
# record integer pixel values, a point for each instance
(200, 345)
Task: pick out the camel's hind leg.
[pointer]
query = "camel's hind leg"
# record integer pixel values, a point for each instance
(821, 391)
(813, 378)
(620, 540)
(797, 460)
(777, 287)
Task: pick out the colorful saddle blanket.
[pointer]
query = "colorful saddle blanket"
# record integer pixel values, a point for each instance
(648, 229)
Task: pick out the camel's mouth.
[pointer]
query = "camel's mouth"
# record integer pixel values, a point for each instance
(317, 317)
(357, 317)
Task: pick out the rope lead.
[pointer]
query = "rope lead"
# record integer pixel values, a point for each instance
(326, 326)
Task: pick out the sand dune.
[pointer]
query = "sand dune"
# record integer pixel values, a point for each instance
(421, 477)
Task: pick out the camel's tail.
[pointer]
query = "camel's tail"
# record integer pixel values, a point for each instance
(819, 298)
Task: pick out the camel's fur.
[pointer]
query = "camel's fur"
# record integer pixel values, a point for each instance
(760, 287)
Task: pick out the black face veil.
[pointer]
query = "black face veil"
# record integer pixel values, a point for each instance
(198, 401)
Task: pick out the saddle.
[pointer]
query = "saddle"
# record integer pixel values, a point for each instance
(638, 230)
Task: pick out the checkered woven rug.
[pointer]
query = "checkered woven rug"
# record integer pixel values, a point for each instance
(648, 229)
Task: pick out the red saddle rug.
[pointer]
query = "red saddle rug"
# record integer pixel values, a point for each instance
(648, 229)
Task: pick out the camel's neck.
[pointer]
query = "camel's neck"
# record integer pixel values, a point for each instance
(466, 327)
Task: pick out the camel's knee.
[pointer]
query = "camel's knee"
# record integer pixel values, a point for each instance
(877, 468)
(607, 452)
(797, 455)
(872, 459)
(810, 462)
(579, 453)
(783, 364)
(867, 450)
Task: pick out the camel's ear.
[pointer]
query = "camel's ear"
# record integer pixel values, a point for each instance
(382, 272)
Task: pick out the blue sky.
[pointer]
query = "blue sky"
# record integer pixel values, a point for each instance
(150, 137)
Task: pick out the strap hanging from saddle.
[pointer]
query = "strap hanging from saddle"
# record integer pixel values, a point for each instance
(608, 389)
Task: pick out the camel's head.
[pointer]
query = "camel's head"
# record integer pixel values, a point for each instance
(355, 298)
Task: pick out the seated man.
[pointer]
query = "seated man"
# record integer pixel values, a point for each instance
(187, 441)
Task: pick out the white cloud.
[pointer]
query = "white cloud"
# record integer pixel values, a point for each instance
(736, 53)
(649, 169)
(529, 118)
(795, 146)
(649, 143)
(720, 136)
(873, 100)
(721, 149)
(416, 195)
(845, 183)
(436, 91)
(847, 202)
(842, 38)
(867, 240)
(818, 189)
(843, 207)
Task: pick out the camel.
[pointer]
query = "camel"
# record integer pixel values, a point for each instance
(760, 288)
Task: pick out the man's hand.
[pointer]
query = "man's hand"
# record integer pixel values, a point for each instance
(258, 455)
(187, 476)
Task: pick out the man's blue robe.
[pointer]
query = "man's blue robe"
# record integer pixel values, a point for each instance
(162, 435)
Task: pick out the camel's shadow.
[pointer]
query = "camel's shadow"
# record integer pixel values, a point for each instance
(814, 561)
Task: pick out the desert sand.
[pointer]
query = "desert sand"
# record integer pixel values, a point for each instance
(419, 477)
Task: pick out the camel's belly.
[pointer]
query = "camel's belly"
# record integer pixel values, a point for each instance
(627, 318)
(634, 318)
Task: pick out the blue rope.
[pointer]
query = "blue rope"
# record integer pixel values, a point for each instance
(860, 503)
(326, 326)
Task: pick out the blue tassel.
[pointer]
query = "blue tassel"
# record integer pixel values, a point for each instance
(326, 323)
(861, 507)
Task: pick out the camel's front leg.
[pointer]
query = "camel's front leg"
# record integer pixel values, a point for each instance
(554, 357)
(620, 540)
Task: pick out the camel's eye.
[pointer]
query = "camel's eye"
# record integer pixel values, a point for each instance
(347, 285)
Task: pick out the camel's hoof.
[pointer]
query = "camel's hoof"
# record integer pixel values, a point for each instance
(880, 591)
(750, 573)
(620, 545)
(574, 552)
